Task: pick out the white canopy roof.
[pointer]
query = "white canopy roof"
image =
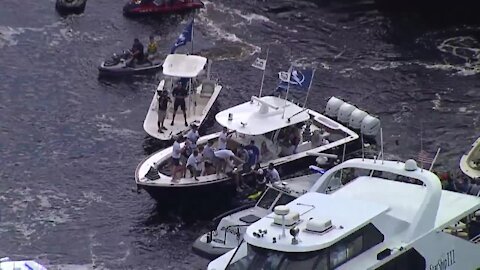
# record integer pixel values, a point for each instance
(182, 65)
(262, 115)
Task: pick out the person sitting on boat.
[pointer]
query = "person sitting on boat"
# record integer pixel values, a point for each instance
(179, 94)
(176, 155)
(208, 158)
(272, 174)
(192, 135)
(152, 50)
(137, 52)
(163, 100)
(192, 164)
(223, 138)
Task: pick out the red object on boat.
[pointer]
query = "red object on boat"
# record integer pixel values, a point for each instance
(139, 7)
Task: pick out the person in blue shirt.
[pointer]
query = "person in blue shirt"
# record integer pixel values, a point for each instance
(253, 153)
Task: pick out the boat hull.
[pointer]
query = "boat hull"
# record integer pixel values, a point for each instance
(468, 161)
(121, 70)
(150, 8)
(65, 7)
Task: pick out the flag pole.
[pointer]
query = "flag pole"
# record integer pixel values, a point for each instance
(434, 159)
(263, 75)
(192, 36)
(288, 89)
(310, 85)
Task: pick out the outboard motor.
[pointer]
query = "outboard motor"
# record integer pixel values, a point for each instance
(333, 105)
(356, 119)
(344, 112)
(370, 128)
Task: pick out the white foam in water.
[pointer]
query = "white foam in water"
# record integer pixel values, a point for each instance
(7, 36)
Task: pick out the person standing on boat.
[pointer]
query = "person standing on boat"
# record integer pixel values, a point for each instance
(253, 153)
(193, 135)
(179, 94)
(192, 164)
(222, 158)
(176, 155)
(208, 158)
(163, 100)
(272, 174)
(223, 138)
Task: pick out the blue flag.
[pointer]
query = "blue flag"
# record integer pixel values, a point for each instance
(300, 79)
(184, 37)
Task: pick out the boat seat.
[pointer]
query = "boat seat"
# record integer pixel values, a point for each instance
(208, 87)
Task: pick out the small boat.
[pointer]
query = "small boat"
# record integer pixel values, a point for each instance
(268, 122)
(232, 225)
(198, 104)
(117, 65)
(392, 215)
(470, 162)
(144, 7)
(65, 7)
(7, 264)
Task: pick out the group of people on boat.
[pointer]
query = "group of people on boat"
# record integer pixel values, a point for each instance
(228, 157)
(138, 52)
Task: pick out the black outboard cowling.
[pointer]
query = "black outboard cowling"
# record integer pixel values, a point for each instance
(65, 7)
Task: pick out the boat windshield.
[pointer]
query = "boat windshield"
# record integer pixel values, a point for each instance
(260, 258)
(268, 198)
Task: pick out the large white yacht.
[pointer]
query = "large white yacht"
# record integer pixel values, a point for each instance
(201, 96)
(231, 225)
(268, 122)
(391, 216)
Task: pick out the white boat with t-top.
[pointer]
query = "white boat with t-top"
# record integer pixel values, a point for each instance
(268, 121)
(8, 264)
(201, 95)
(391, 216)
(470, 162)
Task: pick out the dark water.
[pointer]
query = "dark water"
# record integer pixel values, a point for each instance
(69, 143)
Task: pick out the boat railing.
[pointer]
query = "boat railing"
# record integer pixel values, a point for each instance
(234, 227)
(476, 239)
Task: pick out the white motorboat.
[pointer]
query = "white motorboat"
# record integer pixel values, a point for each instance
(232, 225)
(373, 222)
(470, 162)
(264, 120)
(198, 103)
(7, 264)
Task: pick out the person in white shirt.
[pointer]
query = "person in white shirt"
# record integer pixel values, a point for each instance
(272, 174)
(223, 138)
(176, 154)
(193, 136)
(208, 158)
(222, 158)
(192, 164)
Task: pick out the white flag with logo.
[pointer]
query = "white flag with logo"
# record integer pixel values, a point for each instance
(283, 76)
(260, 63)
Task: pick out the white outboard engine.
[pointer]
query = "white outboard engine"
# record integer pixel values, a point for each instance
(333, 105)
(344, 112)
(370, 127)
(356, 119)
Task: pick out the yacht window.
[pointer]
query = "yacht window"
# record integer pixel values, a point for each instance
(338, 255)
(411, 260)
(268, 198)
(284, 199)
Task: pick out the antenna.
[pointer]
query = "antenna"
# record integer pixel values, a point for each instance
(363, 152)
(263, 74)
(381, 143)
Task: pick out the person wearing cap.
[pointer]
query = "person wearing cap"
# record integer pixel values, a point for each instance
(163, 100)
